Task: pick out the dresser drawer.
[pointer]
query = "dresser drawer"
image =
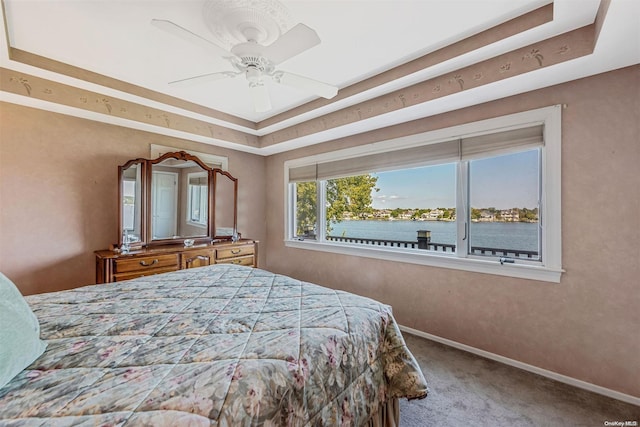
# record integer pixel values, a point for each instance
(234, 252)
(141, 264)
(141, 273)
(198, 258)
(245, 260)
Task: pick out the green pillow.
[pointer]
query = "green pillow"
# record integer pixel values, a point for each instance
(20, 342)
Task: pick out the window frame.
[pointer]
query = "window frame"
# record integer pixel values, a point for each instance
(548, 269)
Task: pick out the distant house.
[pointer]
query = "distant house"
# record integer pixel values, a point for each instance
(435, 214)
(406, 215)
(384, 213)
(510, 215)
(487, 216)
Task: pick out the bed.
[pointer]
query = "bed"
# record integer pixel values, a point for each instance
(222, 345)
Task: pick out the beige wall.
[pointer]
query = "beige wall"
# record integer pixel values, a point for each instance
(585, 327)
(58, 193)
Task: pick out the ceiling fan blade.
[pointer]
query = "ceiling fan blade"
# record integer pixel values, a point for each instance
(260, 96)
(324, 90)
(293, 42)
(204, 78)
(183, 33)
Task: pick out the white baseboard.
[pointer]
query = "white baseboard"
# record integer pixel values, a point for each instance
(534, 369)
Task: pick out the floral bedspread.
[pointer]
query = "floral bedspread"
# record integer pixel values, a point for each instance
(221, 345)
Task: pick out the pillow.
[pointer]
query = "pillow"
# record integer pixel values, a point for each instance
(20, 342)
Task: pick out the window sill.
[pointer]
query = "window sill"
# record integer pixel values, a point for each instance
(493, 266)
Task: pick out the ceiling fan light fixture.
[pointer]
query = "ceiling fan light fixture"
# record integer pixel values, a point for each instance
(254, 76)
(260, 96)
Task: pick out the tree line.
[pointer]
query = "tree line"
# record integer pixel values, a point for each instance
(353, 195)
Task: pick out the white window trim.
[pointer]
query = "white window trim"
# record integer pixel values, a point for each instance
(551, 269)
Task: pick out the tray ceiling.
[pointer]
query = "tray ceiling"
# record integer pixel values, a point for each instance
(393, 61)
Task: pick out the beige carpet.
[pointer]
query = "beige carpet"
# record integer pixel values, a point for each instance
(468, 390)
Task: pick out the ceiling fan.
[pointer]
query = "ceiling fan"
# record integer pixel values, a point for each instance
(257, 61)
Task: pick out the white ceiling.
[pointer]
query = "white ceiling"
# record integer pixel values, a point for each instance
(359, 39)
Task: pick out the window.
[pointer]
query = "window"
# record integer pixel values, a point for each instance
(474, 197)
(391, 208)
(504, 201)
(197, 212)
(306, 210)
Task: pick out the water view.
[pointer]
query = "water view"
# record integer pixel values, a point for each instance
(505, 235)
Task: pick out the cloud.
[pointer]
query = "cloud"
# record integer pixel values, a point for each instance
(382, 198)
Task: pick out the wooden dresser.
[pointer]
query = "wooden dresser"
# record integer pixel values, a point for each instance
(114, 266)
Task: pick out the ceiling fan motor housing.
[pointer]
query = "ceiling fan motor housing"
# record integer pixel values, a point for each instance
(258, 62)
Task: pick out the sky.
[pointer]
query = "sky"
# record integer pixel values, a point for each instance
(501, 182)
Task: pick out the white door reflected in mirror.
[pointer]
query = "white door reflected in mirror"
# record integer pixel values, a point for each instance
(165, 202)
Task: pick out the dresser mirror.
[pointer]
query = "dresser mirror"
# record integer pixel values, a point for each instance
(175, 199)
(130, 200)
(225, 202)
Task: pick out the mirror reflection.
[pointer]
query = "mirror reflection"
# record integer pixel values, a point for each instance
(225, 204)
(179, 200)
(131, 200)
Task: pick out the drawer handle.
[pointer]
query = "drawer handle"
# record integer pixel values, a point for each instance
(200, 257)
(236, 261)
(236, 251)
(144, 264)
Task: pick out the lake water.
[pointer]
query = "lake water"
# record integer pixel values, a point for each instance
(503, 235)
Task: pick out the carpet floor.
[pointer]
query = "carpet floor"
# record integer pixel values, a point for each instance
(469, 390)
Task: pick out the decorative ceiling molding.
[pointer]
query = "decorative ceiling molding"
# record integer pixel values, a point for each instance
(227, 20)
(518, 25)
(47, 90)
(484, 38)
(48, 64)
(564, 47)
(244, 135)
